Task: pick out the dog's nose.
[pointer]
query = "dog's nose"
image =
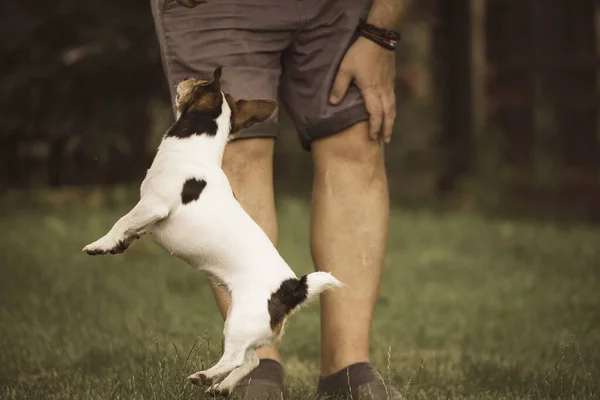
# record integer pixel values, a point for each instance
(186, 78)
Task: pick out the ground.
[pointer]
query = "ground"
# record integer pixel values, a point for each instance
(470, 307)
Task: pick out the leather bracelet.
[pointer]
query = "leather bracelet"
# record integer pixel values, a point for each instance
(384, 38)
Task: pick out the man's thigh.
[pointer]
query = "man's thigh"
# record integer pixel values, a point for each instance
(233, 34)
(311, 65)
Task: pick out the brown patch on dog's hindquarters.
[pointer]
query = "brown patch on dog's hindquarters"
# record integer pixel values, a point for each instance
(291, 293)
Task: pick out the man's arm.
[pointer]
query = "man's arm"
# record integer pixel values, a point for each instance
(387, 14)
(373, 69)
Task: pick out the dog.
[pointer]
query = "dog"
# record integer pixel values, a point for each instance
(187, 206)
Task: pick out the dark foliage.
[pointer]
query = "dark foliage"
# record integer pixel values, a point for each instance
(76, 79)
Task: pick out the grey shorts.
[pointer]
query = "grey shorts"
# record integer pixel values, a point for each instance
(286, 50)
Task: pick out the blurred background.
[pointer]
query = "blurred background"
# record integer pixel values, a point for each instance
(492, 273)
(497, 103)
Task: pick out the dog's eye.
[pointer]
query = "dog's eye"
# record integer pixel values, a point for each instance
(177, 97)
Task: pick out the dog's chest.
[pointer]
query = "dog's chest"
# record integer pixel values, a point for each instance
(200, 226)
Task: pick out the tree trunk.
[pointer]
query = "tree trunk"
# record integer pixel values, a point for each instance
(452, 48)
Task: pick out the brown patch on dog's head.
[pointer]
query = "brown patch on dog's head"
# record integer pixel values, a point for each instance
(245, 113)
(205, 96)
(200, 95)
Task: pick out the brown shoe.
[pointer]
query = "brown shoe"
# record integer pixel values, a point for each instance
(358, 382)
(265, 382)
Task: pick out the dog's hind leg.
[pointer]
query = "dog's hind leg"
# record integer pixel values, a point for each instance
(226, 385)
(233, 357)
(243, 330)
(130, 227)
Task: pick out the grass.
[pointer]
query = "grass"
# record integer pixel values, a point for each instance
(469, 308)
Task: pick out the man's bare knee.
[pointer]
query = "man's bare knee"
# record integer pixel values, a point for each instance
(350, 153)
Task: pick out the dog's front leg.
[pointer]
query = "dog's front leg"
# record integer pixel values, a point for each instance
(130, 227)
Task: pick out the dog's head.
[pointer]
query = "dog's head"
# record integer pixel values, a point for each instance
(205, 98)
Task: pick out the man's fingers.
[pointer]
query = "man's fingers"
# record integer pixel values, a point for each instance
(375, 109)
(340, 85)
(389, 110)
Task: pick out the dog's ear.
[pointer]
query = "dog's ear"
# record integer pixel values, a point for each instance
(246, 113)
(217, 73)
(215, 84)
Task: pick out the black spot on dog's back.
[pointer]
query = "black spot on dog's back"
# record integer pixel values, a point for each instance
(192, 188)
(290, 294)
(193, 122)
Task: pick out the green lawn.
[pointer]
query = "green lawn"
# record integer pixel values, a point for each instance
(469, 308)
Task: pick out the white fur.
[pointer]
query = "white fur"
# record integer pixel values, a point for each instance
(319, 282)
(216, 236)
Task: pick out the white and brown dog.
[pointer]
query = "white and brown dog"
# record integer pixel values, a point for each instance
(187, 206)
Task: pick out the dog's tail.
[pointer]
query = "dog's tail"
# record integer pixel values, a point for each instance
(294, 292)
(318, 282)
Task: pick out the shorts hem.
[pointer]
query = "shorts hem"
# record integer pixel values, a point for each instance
(333, 125)
(257, 135)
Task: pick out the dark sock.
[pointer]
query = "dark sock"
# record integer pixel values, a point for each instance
(343, 382)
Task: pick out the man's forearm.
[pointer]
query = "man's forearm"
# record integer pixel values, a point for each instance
(387, 14)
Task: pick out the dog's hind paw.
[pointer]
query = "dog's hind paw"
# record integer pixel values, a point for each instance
(199, 378)
(215, 390)
(106, 245)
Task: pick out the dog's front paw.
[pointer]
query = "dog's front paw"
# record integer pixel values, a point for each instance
(106, 245)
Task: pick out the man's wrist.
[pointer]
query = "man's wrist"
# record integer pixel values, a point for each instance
(382, 23)
(384, 38)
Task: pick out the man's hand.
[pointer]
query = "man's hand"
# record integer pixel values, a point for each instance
(373, 69)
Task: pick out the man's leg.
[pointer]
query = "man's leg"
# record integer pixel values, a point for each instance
(349, 228)
(350, 203)
(248, 164)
